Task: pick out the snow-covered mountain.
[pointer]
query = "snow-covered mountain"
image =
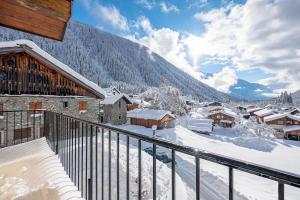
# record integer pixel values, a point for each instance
(249, 91)
(111, 60)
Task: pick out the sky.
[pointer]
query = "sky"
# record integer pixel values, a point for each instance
(254, 40)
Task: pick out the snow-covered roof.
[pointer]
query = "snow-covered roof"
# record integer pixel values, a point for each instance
(109, 100)
(109, 90)
(149, 114)
(291, 128)
(225, 112)
(207, 128)
(32, 49)
(281, 115)
(253, 109)
(226, 121)
(264, 112)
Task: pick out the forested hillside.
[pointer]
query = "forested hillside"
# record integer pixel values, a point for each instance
(108, 60)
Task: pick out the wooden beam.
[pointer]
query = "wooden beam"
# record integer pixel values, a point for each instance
(47, 18)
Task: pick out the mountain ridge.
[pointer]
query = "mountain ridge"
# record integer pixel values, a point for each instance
(108, 59)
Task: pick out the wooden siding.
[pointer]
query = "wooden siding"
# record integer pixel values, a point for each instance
(22, 133)
(217, 117)
(286, 121)
(20, 73)
(47, 18)
(148, 123)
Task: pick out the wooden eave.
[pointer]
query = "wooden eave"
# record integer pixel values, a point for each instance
(46, 18)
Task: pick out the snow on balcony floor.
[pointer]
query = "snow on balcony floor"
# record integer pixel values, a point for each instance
(32, 171)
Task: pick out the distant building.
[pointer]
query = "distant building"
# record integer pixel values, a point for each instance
(137, 103)
(280, 121)
(214, 103)
(251, 111)
(292, 133)
(111, 91)
(113, 109)
(224, 119)
(261, 114)
(149, 117)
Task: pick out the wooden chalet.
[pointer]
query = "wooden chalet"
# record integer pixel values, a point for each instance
(251, 111)
(292, 133)
(47, 18)
(223, 118)
(150, 117)
(261, 114)
(27, 69)
(279, 121)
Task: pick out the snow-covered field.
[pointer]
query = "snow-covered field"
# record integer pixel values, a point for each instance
(244, 145)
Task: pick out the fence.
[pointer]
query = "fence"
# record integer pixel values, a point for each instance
(20, 126)
(78, 143)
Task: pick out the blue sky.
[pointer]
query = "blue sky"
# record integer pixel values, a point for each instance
(210, 36)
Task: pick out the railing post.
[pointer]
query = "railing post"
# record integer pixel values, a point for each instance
(230, 183)
(280, 191)
(90, 182)
(56, 146)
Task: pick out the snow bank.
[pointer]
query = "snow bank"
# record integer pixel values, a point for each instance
(32, 171)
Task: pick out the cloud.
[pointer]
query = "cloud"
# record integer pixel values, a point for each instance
(249, 38)
(167, 43)
(108, 14)
(167, 7)
(146, 4)
(222, 80)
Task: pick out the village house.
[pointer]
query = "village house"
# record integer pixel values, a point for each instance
(111, 91)
(215, 109)
(31, 79)
(137, 103)
(294, 111)
(280, 121)
(150, 117)
(113, 109)
(214, 103)
(261, 114)
(292, 133)
(223, 118)
(251, 111)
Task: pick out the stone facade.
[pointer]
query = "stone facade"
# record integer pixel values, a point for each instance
(115, 114)
(30, 124)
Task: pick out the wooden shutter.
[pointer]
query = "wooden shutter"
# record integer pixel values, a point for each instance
(82, 105)
(35, 105)
(1, 109)
(22, 133)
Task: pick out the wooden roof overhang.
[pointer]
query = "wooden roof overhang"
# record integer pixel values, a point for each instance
(28, 50)
(46, 18)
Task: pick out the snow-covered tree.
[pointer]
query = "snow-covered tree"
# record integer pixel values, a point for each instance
(166, 98)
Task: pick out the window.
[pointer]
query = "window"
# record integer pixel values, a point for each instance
(82, 105)
(1, 109)
(66, 104)
(119, 116)
(120, 104)
(280, 122)
(11, 63)
(33, 66)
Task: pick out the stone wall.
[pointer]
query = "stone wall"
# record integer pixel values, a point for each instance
(31, 124)
(116, 113)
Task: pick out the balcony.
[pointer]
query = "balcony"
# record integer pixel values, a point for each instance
(105, 162)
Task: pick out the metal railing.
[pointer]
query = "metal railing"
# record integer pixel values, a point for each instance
(20, 126)
(75, 141)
